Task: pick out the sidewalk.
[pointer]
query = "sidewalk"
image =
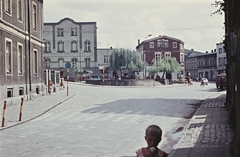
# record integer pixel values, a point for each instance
(29, 112)
(208, 133)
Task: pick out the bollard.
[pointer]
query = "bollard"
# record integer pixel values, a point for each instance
(20, 114)
(4, 113)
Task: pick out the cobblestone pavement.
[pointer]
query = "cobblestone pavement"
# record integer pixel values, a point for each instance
(208, 133)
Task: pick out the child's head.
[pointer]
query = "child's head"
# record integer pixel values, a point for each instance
(153, 135)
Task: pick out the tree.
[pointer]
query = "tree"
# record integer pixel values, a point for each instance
(165, 65)
(78, 71)
(124, 59)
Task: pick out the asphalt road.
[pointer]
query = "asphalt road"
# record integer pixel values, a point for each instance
(106, 121)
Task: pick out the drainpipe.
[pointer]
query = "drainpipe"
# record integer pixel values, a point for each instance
(29, 49)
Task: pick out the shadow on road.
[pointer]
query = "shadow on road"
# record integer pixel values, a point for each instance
(157, 107)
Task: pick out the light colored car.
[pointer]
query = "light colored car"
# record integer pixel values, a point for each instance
(205, 81)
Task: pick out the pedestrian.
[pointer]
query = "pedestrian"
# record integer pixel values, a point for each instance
(50, 87)
(188, 80)
(153, 137)
(202, 83)
(61, 82)
(221, 83)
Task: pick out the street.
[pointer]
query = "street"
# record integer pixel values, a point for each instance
(107, 121)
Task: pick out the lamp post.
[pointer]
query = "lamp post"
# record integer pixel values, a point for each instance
(144, 56)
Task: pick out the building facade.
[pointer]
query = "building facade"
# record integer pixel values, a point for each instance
(221, 58)
(159, 47)
(70, 43)
(191, 63)
(21, 27)
(207, 67)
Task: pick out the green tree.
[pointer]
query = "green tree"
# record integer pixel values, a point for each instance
(78, 71)
(165, 65)
(125, 59)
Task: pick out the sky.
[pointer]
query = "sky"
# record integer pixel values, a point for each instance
(120, 23)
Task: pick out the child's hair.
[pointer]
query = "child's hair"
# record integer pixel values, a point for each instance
(154, 130)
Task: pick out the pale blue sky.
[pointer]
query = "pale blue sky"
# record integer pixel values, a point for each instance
(122, 22)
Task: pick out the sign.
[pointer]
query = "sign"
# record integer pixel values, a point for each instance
(68, 65)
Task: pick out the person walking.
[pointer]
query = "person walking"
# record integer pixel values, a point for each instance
(50, 84)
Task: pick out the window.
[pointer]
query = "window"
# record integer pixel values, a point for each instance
(165, 43)
(168, 54)
(206, 63)
(225, 60)
(105, 58)
(9, 92)
(220, 50)
(220, 61)
(47, 47)
(60, 32)
(34, 18)
(87, 61)
(47, 63)
(61, 63)
(74, 46)
(181, 46)
(19, 10)
(8, 56)
(35, 62)
(20, 59)
(174, 44)
(158, 55)
(74, 62)
(181, 58)
(60, 46)
(21, 91)
(151, 44)
(8, 6)
(73, 31)
(159, 43)
(87, 46)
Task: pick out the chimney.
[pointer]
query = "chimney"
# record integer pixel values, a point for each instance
(206, 51)
(214, 50)
(192, 49)
(138, 41)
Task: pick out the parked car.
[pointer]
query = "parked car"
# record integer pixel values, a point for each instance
(205, 81)
(219, 78)
(95, 78)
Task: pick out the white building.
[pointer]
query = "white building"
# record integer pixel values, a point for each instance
(70, 43)
(221, 58)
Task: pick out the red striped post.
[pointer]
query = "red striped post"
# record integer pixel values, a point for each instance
(21, 107)
(4, 113)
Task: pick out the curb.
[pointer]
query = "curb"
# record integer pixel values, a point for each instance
(172, 152)
(40, 113)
